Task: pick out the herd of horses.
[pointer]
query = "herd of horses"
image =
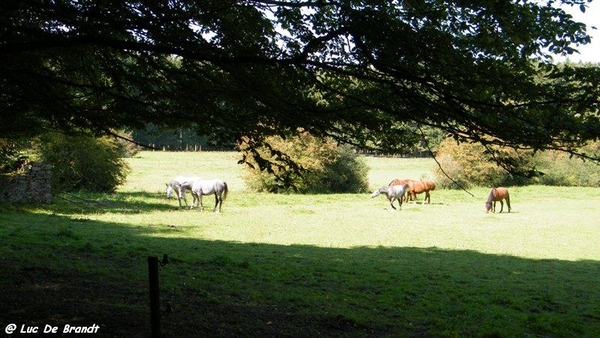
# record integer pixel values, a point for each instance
(199, 187)
(407, 190)
(398, 190)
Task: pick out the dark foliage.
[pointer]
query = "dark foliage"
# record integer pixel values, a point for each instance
(359, 72)
(83, 162)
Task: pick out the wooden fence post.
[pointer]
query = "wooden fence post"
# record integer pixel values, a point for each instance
(154, 296)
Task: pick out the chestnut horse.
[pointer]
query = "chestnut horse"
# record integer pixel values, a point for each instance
(419, 187)
(497, 194)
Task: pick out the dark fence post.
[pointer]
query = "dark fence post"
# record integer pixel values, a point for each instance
(154, 296)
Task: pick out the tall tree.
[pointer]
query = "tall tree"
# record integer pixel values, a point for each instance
(360, 71)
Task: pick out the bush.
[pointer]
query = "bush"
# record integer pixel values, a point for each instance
(13, 155)
(83, 162)
(559, 168)
(126, 149)
(326, 166)
(470, 164)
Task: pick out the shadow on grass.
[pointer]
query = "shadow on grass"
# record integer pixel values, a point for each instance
(57, 271)
(98, 203)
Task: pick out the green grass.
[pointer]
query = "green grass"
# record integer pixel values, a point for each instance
(289, 265)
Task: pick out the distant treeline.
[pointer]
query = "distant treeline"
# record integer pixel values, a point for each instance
(179, 139)
(186, 139)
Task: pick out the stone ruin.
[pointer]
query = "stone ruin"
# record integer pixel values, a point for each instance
(33, 184)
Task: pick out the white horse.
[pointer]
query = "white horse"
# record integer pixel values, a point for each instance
(394, 192)
(179, 185)
(209, 187)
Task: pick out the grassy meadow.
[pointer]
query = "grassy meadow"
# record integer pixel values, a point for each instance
(305, 265)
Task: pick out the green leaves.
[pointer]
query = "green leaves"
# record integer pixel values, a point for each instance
(83, 163)
(303, 163)
(349, 69)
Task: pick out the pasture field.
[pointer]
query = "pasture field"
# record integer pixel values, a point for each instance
(305, 265)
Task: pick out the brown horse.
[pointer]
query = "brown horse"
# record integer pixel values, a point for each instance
(497, 194)
(400, 182)
(419, 187)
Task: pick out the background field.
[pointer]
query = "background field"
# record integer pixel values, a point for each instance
(546, 222)
(289, 265)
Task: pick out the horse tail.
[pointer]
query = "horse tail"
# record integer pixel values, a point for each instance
(225, 190)
(508, 199)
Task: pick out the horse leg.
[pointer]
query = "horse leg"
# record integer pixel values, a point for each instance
(221, 198)
(216, 202)
(508, 201)
(179, 199)
(427, 197)
(392, 202)
(200, 200)
(494, 207)
(181, 194)
(501, 205)
(194, 200)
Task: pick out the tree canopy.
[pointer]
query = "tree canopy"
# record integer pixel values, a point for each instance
(368, 73)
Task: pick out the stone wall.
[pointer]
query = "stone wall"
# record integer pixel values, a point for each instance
(33, 184)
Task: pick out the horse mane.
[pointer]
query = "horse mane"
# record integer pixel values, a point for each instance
(491, 196)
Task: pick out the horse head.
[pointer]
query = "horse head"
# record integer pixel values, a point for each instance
(376, 193)
(488, 206)
(169, 190)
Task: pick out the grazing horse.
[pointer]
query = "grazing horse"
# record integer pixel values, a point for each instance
(418, 187)
(209, 187)
(394, 192)
(497, 194)
(180, 184)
